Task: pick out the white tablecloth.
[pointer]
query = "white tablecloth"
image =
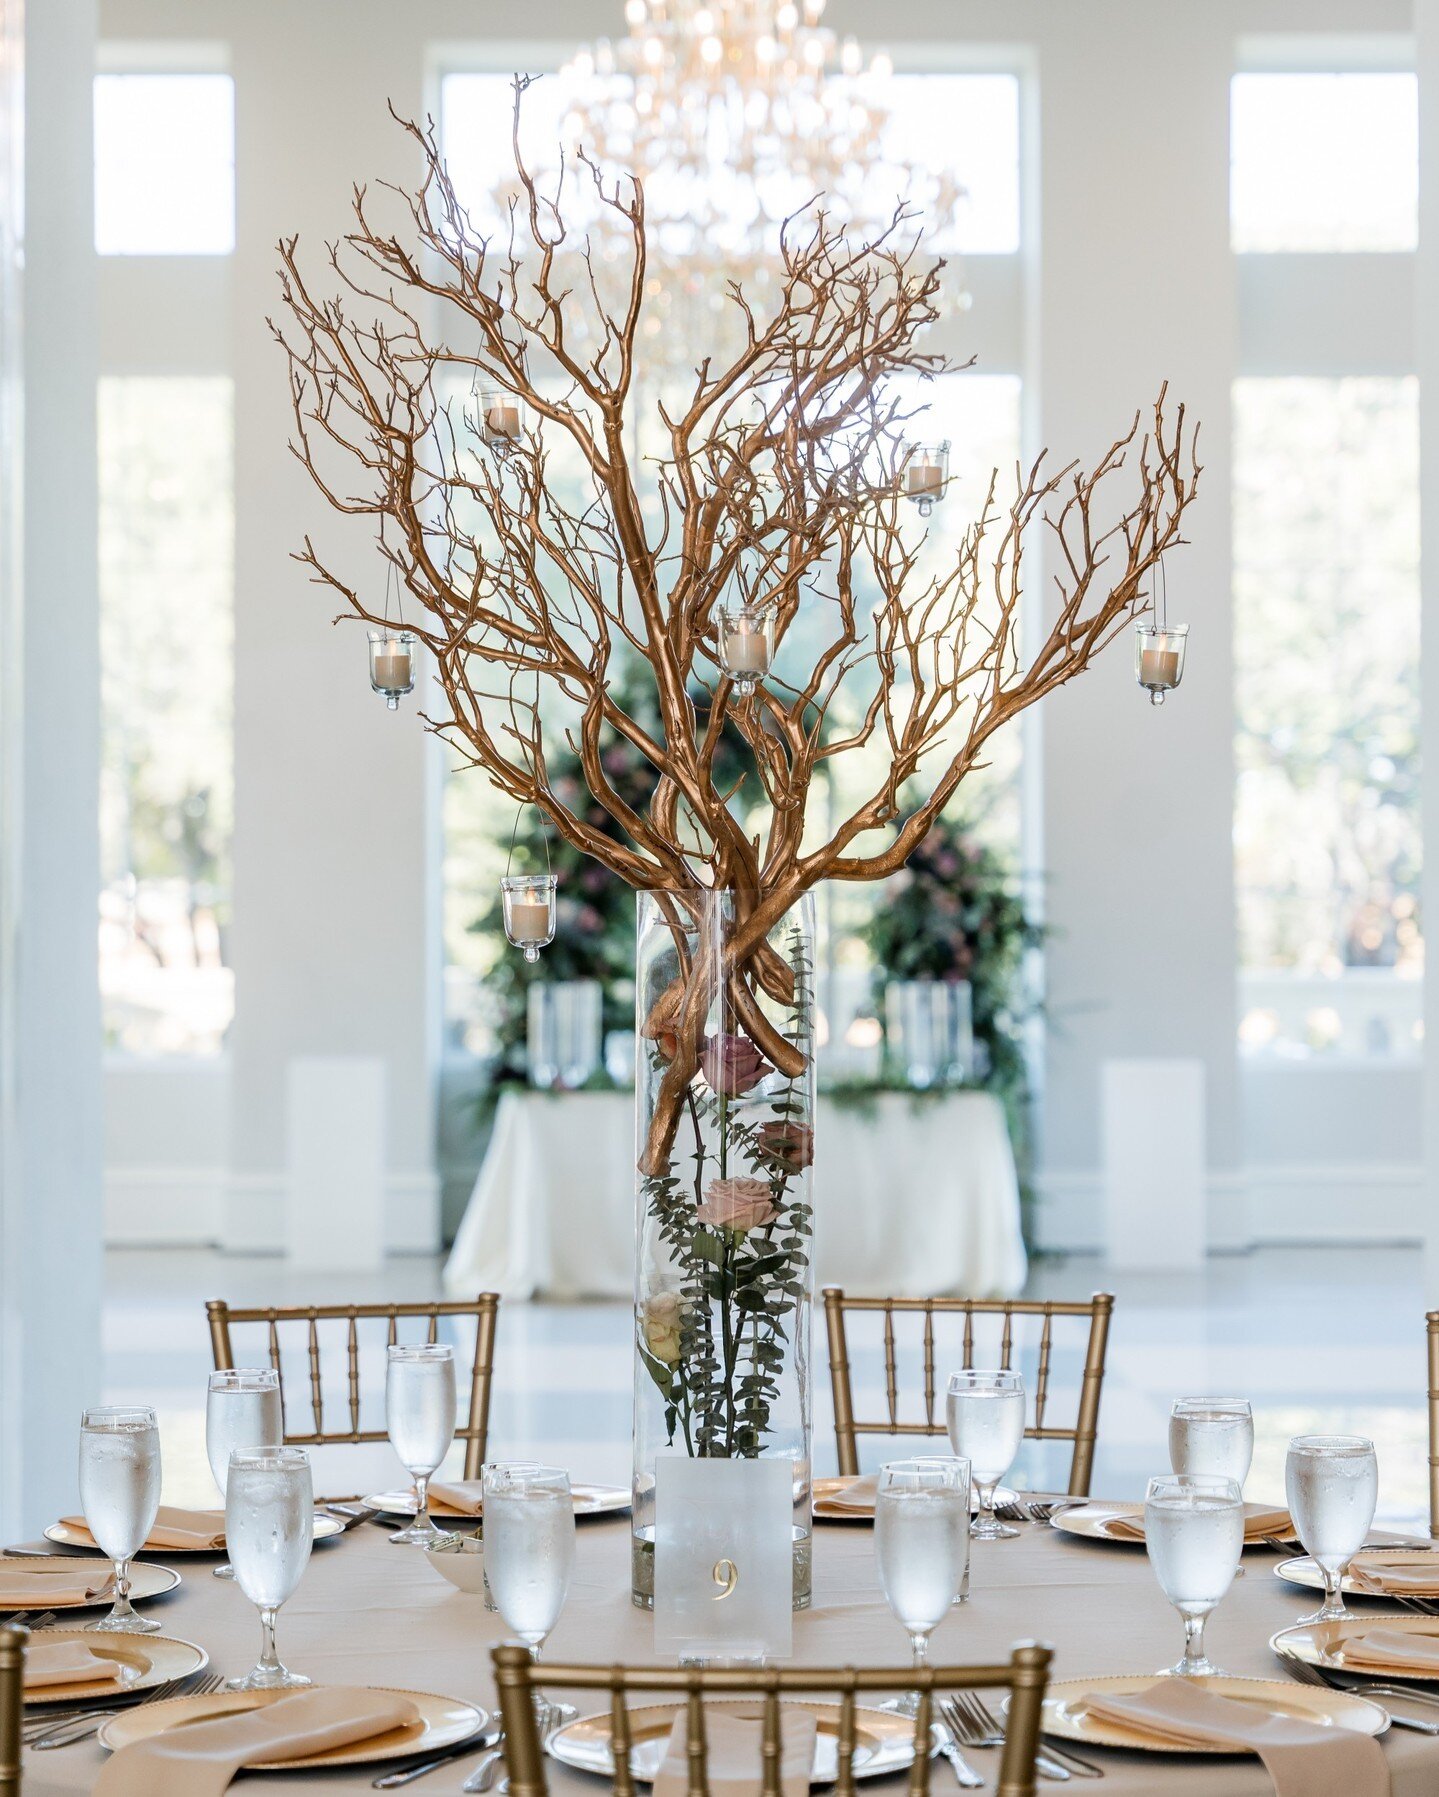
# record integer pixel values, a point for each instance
(913, 1197)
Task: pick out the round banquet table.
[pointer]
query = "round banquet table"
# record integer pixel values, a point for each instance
(369, 1613)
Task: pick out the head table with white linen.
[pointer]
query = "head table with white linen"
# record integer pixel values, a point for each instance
(369, 1613)
(921, 1198)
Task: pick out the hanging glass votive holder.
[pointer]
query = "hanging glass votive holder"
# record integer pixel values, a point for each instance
(392, 664)
(925, 474)
(746, 644)
(529, 901)
(501, 418)
(1159, 658)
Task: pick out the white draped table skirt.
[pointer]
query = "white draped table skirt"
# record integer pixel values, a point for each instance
(914, 1197)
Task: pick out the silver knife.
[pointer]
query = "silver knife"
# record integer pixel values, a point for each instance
(945, 1745)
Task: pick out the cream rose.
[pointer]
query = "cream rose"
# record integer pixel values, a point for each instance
(738, 1204)
(663, 1314)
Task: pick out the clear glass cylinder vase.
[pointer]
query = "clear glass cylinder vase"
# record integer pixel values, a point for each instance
(724, 1111)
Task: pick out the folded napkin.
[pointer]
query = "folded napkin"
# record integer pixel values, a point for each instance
(734, 1735)
(1401, 1576)
(464, 1497)
(1305, 1759)
(61, 1580)
(1395, 1650)
(200, 1759)
(66, 1663)
(1260, 1523)
(857, 1494)
(203, 1530)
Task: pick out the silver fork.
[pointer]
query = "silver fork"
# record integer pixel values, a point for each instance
(967, 1711)
(1306, 1674)
(89, 1722)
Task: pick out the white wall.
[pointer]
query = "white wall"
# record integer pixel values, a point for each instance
(1128, 279)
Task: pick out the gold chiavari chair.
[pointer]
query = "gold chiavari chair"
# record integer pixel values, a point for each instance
(1083, 1432)
(12, 1703)
(517, 1677)
(484, 1309)
(1432, 1323)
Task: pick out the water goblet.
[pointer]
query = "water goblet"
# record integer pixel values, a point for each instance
(242, 1410)
(921, 1543)
(1213, 1436)
(269, 1527)
(529, 1552)
(120, 1494)
(985, 1414)
(420, 1418)
(1194, 1535)
(1332, 1485)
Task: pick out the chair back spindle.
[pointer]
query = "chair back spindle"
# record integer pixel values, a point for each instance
(13, 1639)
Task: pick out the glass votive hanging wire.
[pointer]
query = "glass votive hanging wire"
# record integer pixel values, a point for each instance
(529, 904)
(925, 474)
(501, 418)
(392, 664)
(746, 644)
(1159, 647)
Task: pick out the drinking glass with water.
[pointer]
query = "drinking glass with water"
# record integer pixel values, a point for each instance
(1214, 1436)
(269, 1529)
(1332, 1484)
(985, 1414)
(921, 1542)
(420, 1419)
(1194, 1534)
(242, 1410)
(120, 1494)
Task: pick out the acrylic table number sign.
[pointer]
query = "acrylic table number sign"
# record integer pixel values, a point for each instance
(723, 1558)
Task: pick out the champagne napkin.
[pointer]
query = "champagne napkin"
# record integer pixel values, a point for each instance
(66, 1663)
(857, 1494)
(203, 1530)
(1395, 1650)
(1402, 1575)
(735, 1737)
(200, 1759)
(1305, 1759)
(464, 1497)
(61, 1580)
(1260, 1522)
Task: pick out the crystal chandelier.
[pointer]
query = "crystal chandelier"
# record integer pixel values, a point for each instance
(736, 115)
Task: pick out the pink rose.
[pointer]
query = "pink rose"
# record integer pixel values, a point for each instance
(738, 1204)
(732, 1064)
(789, 1145)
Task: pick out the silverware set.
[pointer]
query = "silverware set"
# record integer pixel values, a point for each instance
(1322, 1676)
(1023, 1508)
(974, 1724)
(488, 1741)
(78, 1724)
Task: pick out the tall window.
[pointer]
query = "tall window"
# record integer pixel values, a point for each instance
(1326, 595)
(164, 165)
(166, 631)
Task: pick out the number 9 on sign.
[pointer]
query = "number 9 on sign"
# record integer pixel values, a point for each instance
(726, 1576)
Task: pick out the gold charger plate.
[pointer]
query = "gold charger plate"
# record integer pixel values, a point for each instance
(823, 1492)
(1322, 1644)
(326, 1527)
(145, 1660)
(145, 1582)
(884, 1742)
(1303, 1572)
(442, 1722)
(1066, 1716)
(1096, 1522)
(590, 1500)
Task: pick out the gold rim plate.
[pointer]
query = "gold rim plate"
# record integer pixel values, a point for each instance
(824, 1509)
(590, 1500)
(884, 1742)
(145, 1660)
(1096, 1522)
(1303, 1572)
(145, 1582)
(1066, 1714)
(442, 1722)
(1322, 1644)
(326, 1528)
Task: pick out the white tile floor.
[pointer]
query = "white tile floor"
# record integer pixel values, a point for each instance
(1327, 1338)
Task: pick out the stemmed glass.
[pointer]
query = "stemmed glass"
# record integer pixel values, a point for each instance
(921, 1541)
(269, 1527)
(985, 1414)
(120, 1494)
(1332, 1484)
(420, 1418)
(242, 1410)
(1194, 1534)
(529, 1552)
(1212, 1435)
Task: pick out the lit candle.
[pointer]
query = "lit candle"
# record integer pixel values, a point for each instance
(745, 649)
(923, 477)
(503, 419)
(1159, 667)
(392, 668)
(529, 920)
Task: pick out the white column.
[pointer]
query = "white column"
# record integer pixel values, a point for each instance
(1135, 288)
(1426, 21)
(50, 1210)
(330, 939)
